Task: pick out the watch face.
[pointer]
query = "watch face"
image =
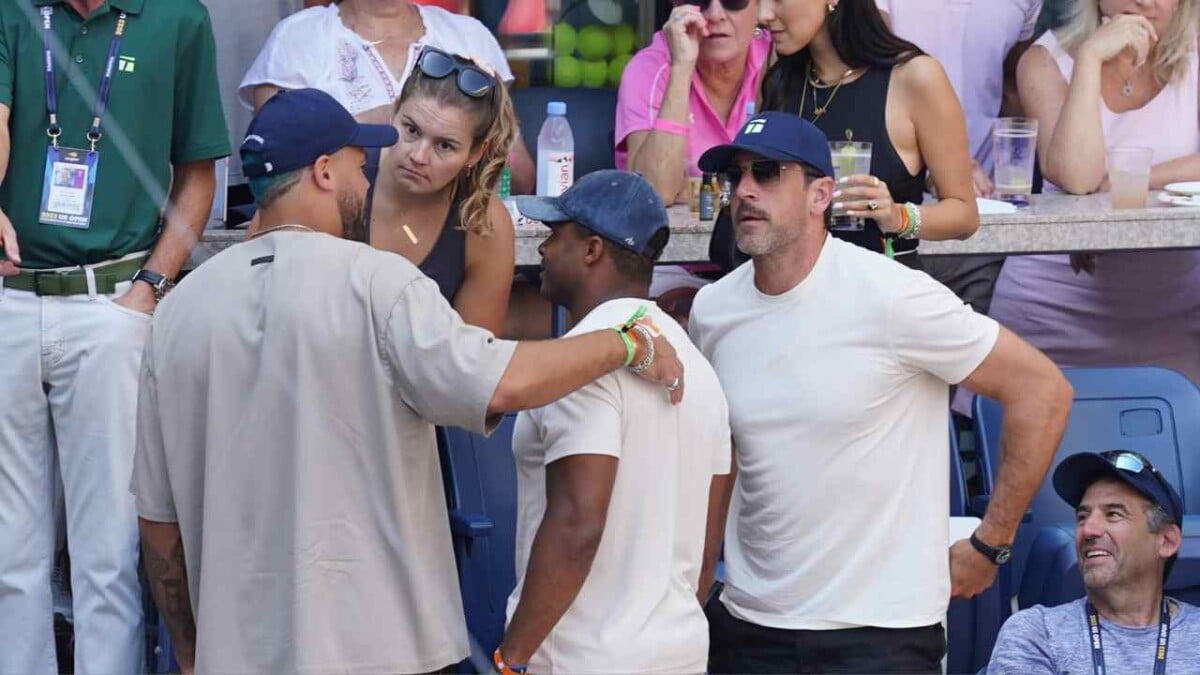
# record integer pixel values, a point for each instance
(1003, 555)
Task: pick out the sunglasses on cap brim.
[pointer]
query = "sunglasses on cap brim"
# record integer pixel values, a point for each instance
(1131, 462)
(472, 80)
(728, 5)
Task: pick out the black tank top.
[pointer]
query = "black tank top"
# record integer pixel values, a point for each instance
(861, 107)
(446, 263)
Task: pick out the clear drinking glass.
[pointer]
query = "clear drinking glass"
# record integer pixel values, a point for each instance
(1014, 145)
(849, 158)
(1129, 176)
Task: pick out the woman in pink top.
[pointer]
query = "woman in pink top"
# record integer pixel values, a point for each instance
(687, 91)
(1121, 73)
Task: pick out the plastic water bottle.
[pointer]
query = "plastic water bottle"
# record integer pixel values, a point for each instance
(555, 152)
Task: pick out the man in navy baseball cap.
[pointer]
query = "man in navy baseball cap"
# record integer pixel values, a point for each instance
(606, 232)
(1076, 475)
(304, 139)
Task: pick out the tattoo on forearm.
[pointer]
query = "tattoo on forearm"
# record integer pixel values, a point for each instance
(168, 579)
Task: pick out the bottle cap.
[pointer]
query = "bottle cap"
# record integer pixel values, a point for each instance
(556, 108)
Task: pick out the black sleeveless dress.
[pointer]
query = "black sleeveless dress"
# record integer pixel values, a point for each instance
(446, 263)
(860, 107)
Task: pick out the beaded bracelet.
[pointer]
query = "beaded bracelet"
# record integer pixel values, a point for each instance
(913, 231)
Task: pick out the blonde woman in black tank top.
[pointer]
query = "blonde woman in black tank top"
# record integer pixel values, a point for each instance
(433, 197)
(841, 68)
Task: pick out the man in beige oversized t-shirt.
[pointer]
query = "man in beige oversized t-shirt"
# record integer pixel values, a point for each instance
(286, 474)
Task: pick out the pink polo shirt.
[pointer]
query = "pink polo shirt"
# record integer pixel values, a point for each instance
(645, 83)
(971, 39)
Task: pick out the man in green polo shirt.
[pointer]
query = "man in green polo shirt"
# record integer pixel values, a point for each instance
(95, 222)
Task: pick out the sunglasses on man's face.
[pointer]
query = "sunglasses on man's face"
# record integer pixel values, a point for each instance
(766, 172)
(472, 81)
(729, 5)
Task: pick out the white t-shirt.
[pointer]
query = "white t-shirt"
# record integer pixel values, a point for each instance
(637, 612)
(314, 49)
(285, 420)
(838, 401)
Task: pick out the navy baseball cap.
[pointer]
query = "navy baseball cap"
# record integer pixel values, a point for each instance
(1076, 474)
(295, 128)
(774, 135)
(617, 205)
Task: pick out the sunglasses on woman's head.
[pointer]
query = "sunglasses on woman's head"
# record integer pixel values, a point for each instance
(472, 81)
(729, 5)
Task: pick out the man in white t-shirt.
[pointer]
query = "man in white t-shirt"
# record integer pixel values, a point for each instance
(287, 478)
(614, 482)
(836, 364)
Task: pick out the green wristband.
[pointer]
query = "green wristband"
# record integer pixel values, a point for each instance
(630, 348)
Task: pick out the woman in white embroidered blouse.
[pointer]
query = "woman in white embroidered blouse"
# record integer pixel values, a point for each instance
(361, 52)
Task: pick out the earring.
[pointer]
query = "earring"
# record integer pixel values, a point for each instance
(832, 6)
(758, 32)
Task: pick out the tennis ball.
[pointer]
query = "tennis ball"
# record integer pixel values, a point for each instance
(595, 74)
(616, 68)
(623, 39)
(568, 72)
(564, 39)
(594, 43)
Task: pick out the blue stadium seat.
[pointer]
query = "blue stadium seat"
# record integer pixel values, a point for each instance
(480, 477)
(591, 112)
(971, 625)
(1151, 410)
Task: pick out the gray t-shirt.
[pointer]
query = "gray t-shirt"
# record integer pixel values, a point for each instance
(1055, 640)
(288, 394)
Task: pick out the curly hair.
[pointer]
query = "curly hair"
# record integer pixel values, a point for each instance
(495, 131)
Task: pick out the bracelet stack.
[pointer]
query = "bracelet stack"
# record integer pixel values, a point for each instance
(637, 324)
(649, 360)
(910, 216)
(504, 668)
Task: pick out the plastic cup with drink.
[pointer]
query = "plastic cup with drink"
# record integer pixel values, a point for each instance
(1129, 176)
(849, 158)
(1014, 147)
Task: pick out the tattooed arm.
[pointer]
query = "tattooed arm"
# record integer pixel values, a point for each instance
(162, 552)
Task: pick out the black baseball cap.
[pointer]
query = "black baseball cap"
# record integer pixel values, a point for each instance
(774, 135)
(617, 205)
(294, 128)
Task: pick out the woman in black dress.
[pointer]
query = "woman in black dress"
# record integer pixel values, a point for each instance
(841, 68)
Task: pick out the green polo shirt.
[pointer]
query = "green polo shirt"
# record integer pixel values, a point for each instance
(165, 99)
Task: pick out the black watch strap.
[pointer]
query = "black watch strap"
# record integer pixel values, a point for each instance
(998, 555)
(161, 283)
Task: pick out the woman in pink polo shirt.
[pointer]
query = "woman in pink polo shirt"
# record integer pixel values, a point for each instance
(688, 91)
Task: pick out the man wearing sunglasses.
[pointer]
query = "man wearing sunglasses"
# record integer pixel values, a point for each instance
(1127, 537)
(836, 363)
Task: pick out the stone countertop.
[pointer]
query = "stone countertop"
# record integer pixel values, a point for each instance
(1052, 224)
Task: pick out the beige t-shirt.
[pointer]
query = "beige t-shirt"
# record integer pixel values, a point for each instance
(288, 393)
(839, 404)
(637, 612)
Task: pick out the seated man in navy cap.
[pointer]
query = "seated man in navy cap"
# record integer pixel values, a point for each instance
(286, 472)
(1127, 537)
(836, 363)
(614, 483)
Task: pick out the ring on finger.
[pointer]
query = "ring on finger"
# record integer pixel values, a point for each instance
(872, 205)
(674, 385)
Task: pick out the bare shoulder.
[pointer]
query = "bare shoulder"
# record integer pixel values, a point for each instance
(1037, 65)
(501, 238)
(922, 75)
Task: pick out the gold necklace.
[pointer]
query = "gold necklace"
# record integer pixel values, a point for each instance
(277, 228)
(819, 110)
